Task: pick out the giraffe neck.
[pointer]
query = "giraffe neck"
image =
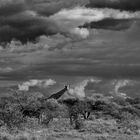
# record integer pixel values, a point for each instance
(58, 94)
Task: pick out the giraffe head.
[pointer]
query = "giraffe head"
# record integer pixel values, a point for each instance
(67, 87)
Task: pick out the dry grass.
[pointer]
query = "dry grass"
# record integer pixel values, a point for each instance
(59, 129)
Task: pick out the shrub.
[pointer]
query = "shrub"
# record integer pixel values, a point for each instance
(52, 110)
(79, 108)
(120, 101)
(133, 101)
(47, 116)
(128, 123)
(97, 96)
(31, 123)
(132, 110)
(74, 116)
(78, 124)
(11, 117)
(5, 138)
(52, 104)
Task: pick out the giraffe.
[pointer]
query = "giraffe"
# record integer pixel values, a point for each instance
(37, 112)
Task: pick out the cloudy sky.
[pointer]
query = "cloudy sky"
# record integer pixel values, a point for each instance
(69, 40)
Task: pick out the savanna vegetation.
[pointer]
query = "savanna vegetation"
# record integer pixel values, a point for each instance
(26, 116)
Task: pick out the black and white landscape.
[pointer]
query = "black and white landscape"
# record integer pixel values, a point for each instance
(70, 69)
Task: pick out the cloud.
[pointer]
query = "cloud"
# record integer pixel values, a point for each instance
(16, 46)
(47, 8)
(6, 69)
(31, 83)
(11, 7)
(116, 4)
(120, 84)
(43, 42)
(24, 21)
(110, 24)
(82, 32)
(26, 26)
(104, 18)
(79, 89)
(83, 14)
(106, 53)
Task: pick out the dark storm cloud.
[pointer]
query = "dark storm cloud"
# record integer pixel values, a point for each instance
(110, 24)
(132, 5)
(11, 7)
(19, 22)
(25, 20)
(25, 27)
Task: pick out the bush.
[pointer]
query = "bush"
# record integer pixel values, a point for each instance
(31, 123)
(78, 124)
(97, 96)
(132, 110)
(52, 104)
(9, 112)
(75, 118)
(128, 123)
(46, 117)
(133, 101)
(81, 107)
(120, 101)
(11, 117)
(52, 110)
